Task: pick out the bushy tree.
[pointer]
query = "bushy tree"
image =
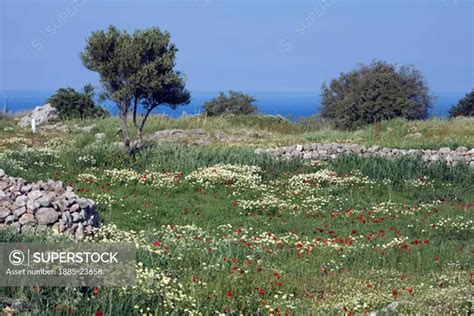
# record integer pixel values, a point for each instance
(375, 92)
(136, 69)
(235, 103)
(72, 104)
(465, 106)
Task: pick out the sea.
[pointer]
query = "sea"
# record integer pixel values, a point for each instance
(290, 104)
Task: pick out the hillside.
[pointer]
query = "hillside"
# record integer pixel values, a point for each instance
(221, 229)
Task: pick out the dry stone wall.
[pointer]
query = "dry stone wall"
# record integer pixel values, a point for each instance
(332, 151)
(35, 207)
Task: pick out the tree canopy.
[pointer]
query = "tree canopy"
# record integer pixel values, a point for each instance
(465, 106)
(136, 70)
(375, 92)
(73, 104)
(233, 103)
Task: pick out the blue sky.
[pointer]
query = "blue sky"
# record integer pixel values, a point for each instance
(245, 45)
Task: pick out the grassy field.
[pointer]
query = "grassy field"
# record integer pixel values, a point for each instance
(221, 230)
(253, 131)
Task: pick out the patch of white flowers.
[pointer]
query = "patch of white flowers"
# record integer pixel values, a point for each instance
(87, 160)
(225, 174)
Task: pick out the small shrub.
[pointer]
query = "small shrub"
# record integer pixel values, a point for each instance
(72, 104)
(235, 103)
(465, 106)
(375, 92)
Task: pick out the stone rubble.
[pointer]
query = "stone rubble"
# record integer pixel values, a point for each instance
(42, 114)
(193, 136)
(333, 150)
(36, 207)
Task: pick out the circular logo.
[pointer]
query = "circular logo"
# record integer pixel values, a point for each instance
(16, 257)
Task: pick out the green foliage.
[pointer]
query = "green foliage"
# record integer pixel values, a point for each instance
(136, 69)
(235, 103)
(375, 92)
(465, 106)
(373, 238)
(72, 104)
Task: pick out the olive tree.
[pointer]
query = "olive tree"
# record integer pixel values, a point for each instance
(465, 106)
(76, 104)
(375, 92)
(136, 70)
(235, 103)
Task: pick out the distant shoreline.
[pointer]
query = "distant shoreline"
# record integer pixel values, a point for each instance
(291, 104)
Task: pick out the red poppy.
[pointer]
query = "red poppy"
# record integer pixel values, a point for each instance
(409, 289)
(394, 293)
(95, 291)
(98, 312)
(229, 294)
(370, 286)
(280, 283)
(195, 278)
(157, 244)
(263, 291)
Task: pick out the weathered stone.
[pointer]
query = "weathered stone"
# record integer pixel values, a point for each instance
(68, 195)
(2, 173)
(46, 216)
(32, 206)
(323, 151)
(41, 114)
(27, 219)
(21, 200)
(83, 203)
(4, 212)
(26, 188)
(5, 185)
(444, 150)
(74, 208)
(66, 217)
(19, 211)
(10, 219)
(34, 195)
(76, 217)
(46, 199)
(196, 136)
(80, 232)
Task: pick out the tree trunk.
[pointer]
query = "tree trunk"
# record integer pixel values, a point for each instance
(124, 127)
(135, 108)
(140, 128)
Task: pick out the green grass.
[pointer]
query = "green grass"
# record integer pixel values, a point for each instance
(319, 229)
(262, 131)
